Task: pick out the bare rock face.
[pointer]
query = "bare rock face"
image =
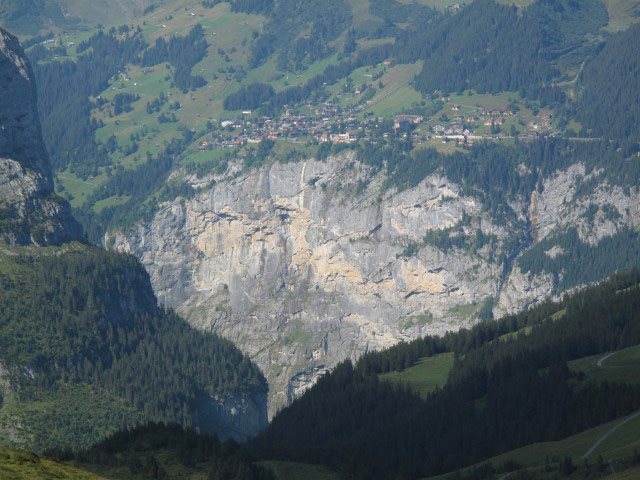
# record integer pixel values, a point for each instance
(301, 272)
(302, 269)
(30, 212)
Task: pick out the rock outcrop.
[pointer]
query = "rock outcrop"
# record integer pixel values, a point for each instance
(30, 212)
(300, 275)
(301, 269)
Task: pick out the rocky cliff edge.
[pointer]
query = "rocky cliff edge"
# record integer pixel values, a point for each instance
(30, 212)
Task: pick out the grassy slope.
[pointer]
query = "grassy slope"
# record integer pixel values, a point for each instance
(165, 458)
(299, 471)
(232, 33)
(427, 374)
(622, 13)
(17, 465)
(71, 413)
(631, 474)
(619, 445)
(200, 471)
(623, 366)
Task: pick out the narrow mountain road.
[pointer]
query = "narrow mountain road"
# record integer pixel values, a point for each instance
(609, 433)
(600, 362)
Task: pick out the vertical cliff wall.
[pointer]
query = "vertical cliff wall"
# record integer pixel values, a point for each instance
(30, 212)
(302, 269)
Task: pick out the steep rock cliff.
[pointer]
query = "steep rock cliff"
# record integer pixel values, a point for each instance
(30, 212)
(31, 215)
(301, 270)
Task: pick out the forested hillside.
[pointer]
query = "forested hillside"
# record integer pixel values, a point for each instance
(165, 451)
(154, 450)
(491, 47)
(30, 16)
(610, 104)
(509, 386)
(36, 17)
(86, 350)
(482, 153)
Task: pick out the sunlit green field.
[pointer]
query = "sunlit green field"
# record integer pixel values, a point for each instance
(425, 376)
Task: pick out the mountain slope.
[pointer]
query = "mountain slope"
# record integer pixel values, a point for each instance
(19, 465)
(85, 348)
(166, 452)
(82, 336)
(500, 394)
(329, 253)
(31, 17)
(31, 212)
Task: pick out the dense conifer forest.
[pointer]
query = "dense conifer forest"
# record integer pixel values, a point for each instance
(504, 391)
(65, 87)
(89, 317)
(609, 105)
(140, 452)
(506, 50)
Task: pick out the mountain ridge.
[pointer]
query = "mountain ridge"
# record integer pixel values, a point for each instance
(86, 349)
(32, 213)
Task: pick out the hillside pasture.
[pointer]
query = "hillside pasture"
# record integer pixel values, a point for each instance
(425, 376)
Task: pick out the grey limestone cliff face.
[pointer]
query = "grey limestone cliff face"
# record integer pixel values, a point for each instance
(30, 212)
(301, 270)
(561, 205)
(301, 274)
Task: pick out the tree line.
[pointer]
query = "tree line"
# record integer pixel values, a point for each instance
(65, 87)
(147, 449)
(501, 393)
(89, 317)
